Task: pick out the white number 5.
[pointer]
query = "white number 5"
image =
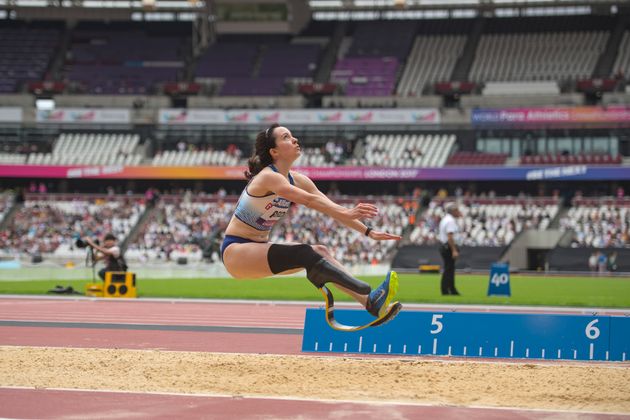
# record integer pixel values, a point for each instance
(436, 322)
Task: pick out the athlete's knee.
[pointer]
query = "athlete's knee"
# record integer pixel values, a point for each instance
(322, 250)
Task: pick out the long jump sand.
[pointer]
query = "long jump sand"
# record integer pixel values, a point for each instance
(597, 387)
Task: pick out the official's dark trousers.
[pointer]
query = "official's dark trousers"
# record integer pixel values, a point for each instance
(448, 274)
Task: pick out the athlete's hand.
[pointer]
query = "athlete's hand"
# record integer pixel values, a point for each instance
(363, 211)
(384, 236)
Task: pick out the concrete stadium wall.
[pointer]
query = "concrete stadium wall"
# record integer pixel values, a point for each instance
(410, 257)
(576, 259)
(530, 239)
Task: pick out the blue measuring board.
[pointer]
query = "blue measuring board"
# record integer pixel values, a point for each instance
(473, 334)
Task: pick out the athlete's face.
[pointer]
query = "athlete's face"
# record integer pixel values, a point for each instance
(287, 146)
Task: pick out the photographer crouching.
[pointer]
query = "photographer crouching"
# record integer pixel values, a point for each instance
(108, 252)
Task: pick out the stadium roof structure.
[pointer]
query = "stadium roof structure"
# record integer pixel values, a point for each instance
(315, 5)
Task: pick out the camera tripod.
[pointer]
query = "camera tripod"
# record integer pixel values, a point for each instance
(89, 259)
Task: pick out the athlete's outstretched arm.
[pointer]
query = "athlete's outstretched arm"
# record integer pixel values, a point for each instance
(277, 183)
(308, 185)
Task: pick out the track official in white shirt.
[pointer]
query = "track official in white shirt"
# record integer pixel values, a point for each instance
(448, 236)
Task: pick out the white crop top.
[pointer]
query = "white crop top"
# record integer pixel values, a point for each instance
(262, 212)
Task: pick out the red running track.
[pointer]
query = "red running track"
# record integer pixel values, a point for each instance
(57, 323)
(187, 326)
(55, 404)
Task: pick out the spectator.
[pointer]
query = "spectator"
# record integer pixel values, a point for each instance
(592, 262)
(449, 248)
(602, 262)
(612, 262)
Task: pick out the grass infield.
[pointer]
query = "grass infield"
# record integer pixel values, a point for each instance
(414, 288)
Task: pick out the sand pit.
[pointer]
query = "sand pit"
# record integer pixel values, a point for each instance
(596, 387)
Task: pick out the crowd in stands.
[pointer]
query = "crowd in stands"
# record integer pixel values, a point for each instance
(51, 223)
(598, 223)
(487, 222)
(304, 225)
(189, 225)
(186, 227)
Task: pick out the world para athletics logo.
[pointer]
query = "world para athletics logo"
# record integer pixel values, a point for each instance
(362, 117)
(268, 118)
(174, 116)
(240, 117)
(329, 118)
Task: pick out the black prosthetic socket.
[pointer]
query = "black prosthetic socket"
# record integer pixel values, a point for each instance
(318, 270)
(288, 257)
(324, 271)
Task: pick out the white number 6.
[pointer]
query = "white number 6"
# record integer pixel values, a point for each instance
(436, 322)
(591, 330)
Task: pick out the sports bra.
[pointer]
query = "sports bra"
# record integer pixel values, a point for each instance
(262, 212)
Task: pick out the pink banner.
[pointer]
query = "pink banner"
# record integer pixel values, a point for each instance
(340, 173)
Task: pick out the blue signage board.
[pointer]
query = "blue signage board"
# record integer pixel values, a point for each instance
(472, 334)
(499, 281)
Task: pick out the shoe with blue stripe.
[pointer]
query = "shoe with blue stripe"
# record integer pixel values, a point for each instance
(380, 298)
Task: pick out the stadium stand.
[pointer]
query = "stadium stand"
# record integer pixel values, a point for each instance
(90, 148)
(563, 159)
(366, 76)
(409, 150)
(314, 156)
(12, 159)
(50, 223)
(195, 157)
(124, 58)
(246, 68)
(432, 60)
(488, 222)
(598, 223)
(371, 64)
(182, 227)
(621, 67)
(476, 158)
(305, 225)
(537, 56)
(26, 51)
(537, 49)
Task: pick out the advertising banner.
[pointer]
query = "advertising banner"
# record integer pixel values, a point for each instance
(290, 116)
(10, 114)
(84, 116)
(585, 114)
(343, 173)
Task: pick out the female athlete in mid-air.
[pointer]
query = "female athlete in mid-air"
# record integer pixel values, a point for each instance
(272, 188)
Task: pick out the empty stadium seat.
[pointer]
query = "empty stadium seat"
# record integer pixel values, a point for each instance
(408, 150)
(90, 149)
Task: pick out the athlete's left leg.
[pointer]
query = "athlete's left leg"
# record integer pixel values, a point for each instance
(325, 252)
(378, 300)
